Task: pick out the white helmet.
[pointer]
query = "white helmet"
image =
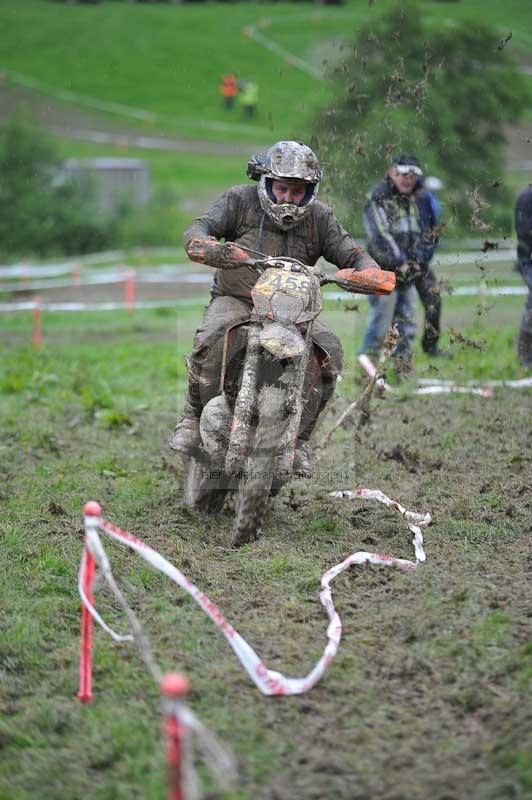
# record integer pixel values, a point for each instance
(293, 161)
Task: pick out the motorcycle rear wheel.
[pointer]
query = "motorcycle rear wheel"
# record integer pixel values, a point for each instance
(254, 490)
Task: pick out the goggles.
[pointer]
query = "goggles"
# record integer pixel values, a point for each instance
(408, 169)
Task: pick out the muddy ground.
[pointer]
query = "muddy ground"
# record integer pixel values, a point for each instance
(429, 701)
(429, 693)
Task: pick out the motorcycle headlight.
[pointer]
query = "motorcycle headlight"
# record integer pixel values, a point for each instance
(287, 308)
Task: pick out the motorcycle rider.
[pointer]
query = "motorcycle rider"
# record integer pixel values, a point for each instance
(280, 216)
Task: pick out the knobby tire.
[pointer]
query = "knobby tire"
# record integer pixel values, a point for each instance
(254, 491)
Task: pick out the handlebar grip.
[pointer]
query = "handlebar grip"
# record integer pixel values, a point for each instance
(366, 281)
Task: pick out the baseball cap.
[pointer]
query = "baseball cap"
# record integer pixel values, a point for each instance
(405, 164)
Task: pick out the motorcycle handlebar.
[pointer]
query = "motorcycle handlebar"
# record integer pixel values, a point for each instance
(230, 256)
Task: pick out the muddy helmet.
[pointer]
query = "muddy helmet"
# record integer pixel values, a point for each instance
(293, 161)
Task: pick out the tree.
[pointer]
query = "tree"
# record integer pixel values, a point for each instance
(39, 213)
(443, 91)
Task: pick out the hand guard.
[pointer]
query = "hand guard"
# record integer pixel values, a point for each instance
(220, 256)
(365, 281)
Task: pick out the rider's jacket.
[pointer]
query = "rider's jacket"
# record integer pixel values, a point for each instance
(238, 217)
(523, 227)
(400, 227)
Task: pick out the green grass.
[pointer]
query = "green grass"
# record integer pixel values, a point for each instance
(198, 178)
(427, 696)
(437, 657)
(168, 59)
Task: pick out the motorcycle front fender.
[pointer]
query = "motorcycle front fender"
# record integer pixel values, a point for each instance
(282, 341)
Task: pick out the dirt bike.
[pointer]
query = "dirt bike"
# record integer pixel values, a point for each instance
(249, 429)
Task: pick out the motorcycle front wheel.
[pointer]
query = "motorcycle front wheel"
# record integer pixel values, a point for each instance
(255, 487)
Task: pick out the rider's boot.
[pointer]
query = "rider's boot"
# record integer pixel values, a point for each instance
(186, 436)
(302, 465)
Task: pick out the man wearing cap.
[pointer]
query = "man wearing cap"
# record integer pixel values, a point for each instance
(401, 223)
(281, 216)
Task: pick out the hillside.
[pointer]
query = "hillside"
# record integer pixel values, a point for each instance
(159, 65)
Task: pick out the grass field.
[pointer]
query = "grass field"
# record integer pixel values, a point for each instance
(427, 694)
(108, 53)
(166, 60)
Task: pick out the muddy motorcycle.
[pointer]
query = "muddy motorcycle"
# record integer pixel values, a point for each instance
(249, 429)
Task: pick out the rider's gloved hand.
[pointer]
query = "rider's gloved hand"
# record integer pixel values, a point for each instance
(209, 250)
(236, 257)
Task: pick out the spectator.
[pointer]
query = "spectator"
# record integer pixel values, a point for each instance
(248, 98)
(427, 283)
(228, 89)
(401, 228)
(523, 227)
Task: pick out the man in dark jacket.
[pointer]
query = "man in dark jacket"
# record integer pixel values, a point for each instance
(401, 222)
(279, 217)
(523, 227)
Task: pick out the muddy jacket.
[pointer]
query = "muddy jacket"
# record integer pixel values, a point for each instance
(238, 217)
(400, 227)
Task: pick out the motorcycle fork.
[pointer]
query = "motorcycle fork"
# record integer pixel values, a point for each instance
(245, 405)
(287, 443)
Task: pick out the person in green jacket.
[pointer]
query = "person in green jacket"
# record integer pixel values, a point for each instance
(248, 97)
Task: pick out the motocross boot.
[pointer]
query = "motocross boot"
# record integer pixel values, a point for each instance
(186, 436)
(302, 465)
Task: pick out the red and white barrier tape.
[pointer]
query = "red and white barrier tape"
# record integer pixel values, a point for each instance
(443, 387)
(29, 305)
(431, 386)
(177, 273)
(410, 517)
(519, 383)
(188, 732)
(269, 682)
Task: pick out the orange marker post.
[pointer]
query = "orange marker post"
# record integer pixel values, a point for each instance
(173, 688)
(91, 512)
(130, 289)
(36, 335)
(76, 273)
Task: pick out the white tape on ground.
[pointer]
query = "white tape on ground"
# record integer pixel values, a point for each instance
(453, 390)
(269, 682)
(433, 386)
(520, 383)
